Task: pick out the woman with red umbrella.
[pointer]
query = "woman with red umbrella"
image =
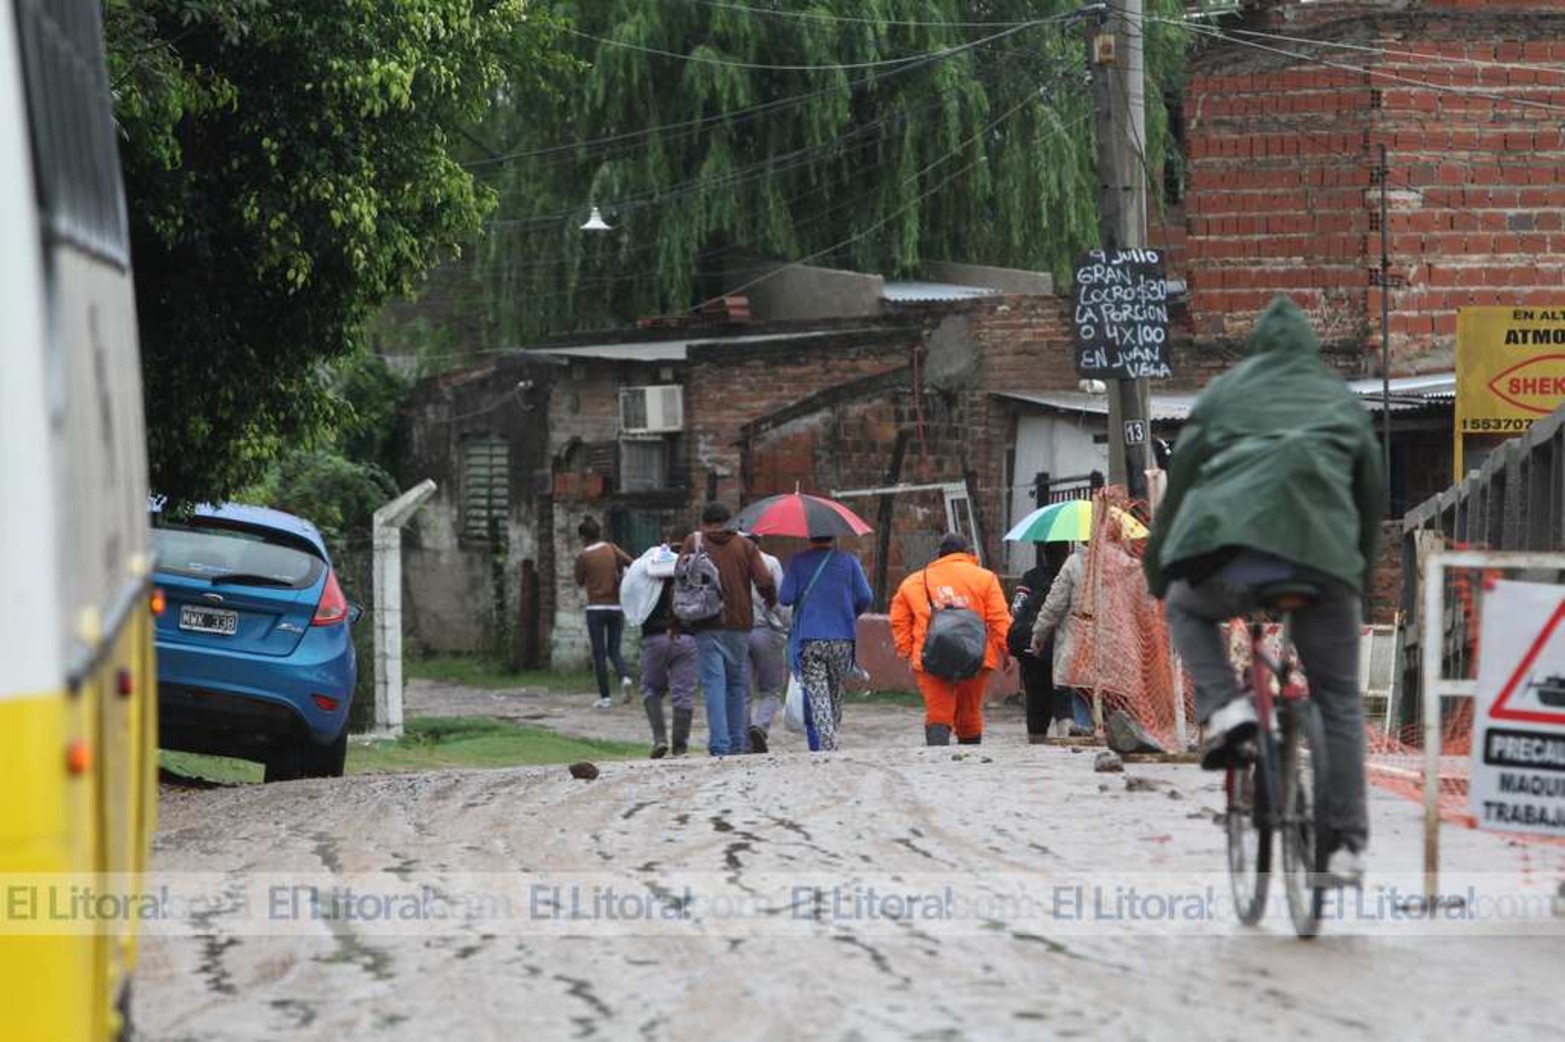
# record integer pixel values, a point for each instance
(827, 590)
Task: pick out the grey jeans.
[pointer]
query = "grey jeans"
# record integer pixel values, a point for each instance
(1326, 635)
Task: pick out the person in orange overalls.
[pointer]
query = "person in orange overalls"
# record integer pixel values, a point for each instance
(954, 579)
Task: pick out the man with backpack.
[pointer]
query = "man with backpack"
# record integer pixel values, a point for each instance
(668, 657)
(950, 622)
(712, 601)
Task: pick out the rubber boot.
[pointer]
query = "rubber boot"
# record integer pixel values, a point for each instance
(1033, 738)
(682, 721)
(937, 734)
(653, 704)
(977, 739)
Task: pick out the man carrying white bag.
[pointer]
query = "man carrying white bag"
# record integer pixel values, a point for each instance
(668, 657)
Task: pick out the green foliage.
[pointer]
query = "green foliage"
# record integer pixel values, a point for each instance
(338, 478)
(289, 168)
(985, 154)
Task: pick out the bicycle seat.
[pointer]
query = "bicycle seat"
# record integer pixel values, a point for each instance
(1289, 596)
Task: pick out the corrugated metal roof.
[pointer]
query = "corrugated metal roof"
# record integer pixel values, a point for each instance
(674, 350)
(1407, 392)
(932, 292)
(1172, 406)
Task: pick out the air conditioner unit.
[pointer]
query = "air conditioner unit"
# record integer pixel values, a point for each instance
(652, 410)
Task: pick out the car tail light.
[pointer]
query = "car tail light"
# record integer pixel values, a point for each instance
(334, 606)
(123, 682)
(326, 702)
(159, 602)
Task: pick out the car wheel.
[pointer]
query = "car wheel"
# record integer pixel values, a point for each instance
(324, 761)
(283, 763)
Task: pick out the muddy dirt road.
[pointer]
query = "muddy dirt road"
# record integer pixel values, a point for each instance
(886, 891)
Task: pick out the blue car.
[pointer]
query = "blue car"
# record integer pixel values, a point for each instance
(255, 653)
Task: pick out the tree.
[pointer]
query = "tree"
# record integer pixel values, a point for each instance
(870, 134)
(289, 167)
(340, 479)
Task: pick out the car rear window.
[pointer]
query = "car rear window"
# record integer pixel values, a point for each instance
(246, 555)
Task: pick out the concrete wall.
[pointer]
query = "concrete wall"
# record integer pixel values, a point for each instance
(799, 292)
(877, 654)
(451, 600)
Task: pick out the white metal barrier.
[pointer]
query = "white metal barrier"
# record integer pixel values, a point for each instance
(1434, 685)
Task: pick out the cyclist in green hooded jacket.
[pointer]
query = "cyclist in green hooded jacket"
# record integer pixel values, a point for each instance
(1276, 478)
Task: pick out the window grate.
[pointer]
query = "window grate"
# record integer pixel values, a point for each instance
(73, 127)
(486, 488)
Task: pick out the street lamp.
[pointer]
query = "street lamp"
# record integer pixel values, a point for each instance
(596, 223)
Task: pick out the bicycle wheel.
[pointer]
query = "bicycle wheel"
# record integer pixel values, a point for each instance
(1249, 834)
(1303, 820)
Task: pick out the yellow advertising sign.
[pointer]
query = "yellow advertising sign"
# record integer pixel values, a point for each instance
(1510, 367)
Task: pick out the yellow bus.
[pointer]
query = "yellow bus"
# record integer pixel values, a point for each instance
(78, 689)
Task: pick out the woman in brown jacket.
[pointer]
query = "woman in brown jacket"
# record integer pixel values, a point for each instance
(598, 568)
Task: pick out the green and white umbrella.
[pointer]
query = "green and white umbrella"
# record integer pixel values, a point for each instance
(1068, 522)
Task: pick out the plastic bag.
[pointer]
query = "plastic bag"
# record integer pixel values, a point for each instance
(793, 706)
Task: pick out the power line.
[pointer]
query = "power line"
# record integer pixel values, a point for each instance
(1034, 92)
(1211, 32)
(1447, 59)
(1065, 75)
(743, 114)
(895, 213)
(879, 63)
(826, 17)
(768, 167)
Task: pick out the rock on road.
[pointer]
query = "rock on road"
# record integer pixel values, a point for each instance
(754, 960)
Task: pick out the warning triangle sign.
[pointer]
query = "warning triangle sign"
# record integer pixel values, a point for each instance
(1550, 689)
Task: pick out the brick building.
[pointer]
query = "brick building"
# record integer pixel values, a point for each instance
(1282, 145)
(639, 428)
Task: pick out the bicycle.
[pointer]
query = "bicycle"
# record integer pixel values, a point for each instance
(1276, 782)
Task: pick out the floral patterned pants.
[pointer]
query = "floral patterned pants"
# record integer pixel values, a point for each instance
(824, 666)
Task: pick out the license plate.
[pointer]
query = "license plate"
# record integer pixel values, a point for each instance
(221, 621)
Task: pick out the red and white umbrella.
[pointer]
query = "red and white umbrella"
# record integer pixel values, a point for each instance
(796, 514)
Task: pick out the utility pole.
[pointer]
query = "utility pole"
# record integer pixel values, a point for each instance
(1115, 48)
(1385, 333)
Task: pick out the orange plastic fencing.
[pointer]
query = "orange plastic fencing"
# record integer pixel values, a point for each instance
(1123, 653)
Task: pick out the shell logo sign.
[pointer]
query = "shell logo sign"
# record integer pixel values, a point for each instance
(1510, 369)
(1536, 385)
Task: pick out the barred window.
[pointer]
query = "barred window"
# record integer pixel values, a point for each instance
(643, 464)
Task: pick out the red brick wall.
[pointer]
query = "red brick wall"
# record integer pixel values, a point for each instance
(1280, 153)
(1385, 584)
(728, 387)
(953, 423)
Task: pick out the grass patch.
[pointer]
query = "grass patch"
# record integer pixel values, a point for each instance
(433, 742)
(475, 671)
(218, 769)
(429, 743)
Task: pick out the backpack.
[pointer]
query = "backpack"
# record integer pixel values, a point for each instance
(955, 642)
(1023, 616)
(698, 587)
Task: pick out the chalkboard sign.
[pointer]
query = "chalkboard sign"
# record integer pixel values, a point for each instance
(1122, 316)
